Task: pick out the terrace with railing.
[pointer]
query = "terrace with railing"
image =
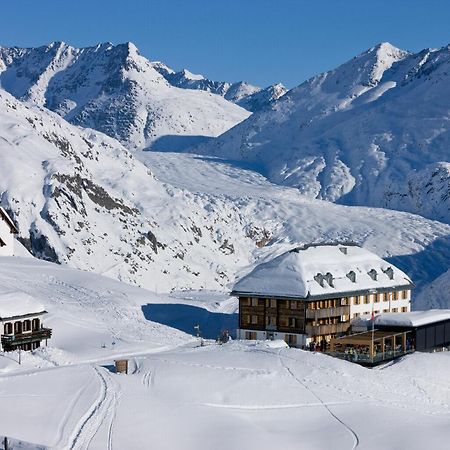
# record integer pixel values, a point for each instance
(371, 348)
(14, 340)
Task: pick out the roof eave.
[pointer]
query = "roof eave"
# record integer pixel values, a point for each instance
(324, 296)
(19, 316)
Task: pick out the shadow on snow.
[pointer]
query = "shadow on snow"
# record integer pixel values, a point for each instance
(184, 317)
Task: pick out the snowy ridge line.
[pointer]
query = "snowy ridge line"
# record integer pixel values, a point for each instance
(114, 89)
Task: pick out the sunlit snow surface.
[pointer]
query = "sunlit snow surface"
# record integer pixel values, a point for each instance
(234, 395)
(181, 396)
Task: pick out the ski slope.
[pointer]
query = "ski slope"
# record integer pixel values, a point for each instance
(179, 395)
(232, 396)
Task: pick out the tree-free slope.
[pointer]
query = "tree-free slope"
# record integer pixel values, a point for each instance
(374, 131)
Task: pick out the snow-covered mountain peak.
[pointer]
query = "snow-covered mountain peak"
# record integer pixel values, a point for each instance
(373, 131)
(386, 50)
(192, 76)
(360, 73)
(114, 89)
(380, 58)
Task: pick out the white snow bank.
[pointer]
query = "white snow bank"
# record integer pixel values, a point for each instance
(18, 304)
(278, 343)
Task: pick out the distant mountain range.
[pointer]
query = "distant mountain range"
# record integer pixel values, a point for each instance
(115, 90)
(374, 131)
(250, 97)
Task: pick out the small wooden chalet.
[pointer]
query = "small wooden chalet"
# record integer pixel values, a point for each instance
(21, 325)
(310, 294)
(7, 232)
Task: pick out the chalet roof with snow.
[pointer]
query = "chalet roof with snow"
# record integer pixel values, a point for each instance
(4, 216)
(19, 304)
(322, 271)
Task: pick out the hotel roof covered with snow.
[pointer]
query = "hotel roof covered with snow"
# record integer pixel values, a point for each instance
(312, 292)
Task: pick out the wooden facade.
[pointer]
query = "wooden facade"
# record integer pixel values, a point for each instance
(272, 315)
(23, 332)
(318, 319)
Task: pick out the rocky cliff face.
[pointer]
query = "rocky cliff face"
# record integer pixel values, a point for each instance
(80, 198)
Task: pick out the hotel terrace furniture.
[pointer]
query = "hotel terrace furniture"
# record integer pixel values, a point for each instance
(311, 293)
(21, 322)
(371, 348)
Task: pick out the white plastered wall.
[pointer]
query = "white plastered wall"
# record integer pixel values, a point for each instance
(379, 307)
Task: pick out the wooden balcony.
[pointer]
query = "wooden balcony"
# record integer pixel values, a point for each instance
(317, 330)
(316, 314)
(10, 341)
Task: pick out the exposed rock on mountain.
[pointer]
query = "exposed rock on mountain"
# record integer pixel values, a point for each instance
(80, 198)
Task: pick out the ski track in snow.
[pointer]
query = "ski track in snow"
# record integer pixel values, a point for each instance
(148, 379)
(104, 408)
(325, 405)
(63, 424)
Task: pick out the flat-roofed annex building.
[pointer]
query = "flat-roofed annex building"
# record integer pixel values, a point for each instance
(312, 292)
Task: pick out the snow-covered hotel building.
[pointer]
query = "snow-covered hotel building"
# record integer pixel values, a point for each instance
(313, 292)
(7, 231)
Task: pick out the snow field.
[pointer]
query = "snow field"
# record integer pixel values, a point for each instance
(235, 395)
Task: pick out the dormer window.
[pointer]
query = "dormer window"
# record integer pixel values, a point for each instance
(319, 279)
(343, 250)
(389, 272)
(329, 278)
(373, 274)
(351, 276)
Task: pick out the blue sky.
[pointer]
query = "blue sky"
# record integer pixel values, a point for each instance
(259, 41)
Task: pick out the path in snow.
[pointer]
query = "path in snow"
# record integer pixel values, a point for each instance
(233, 396)
(325, 405)
(101, 413)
